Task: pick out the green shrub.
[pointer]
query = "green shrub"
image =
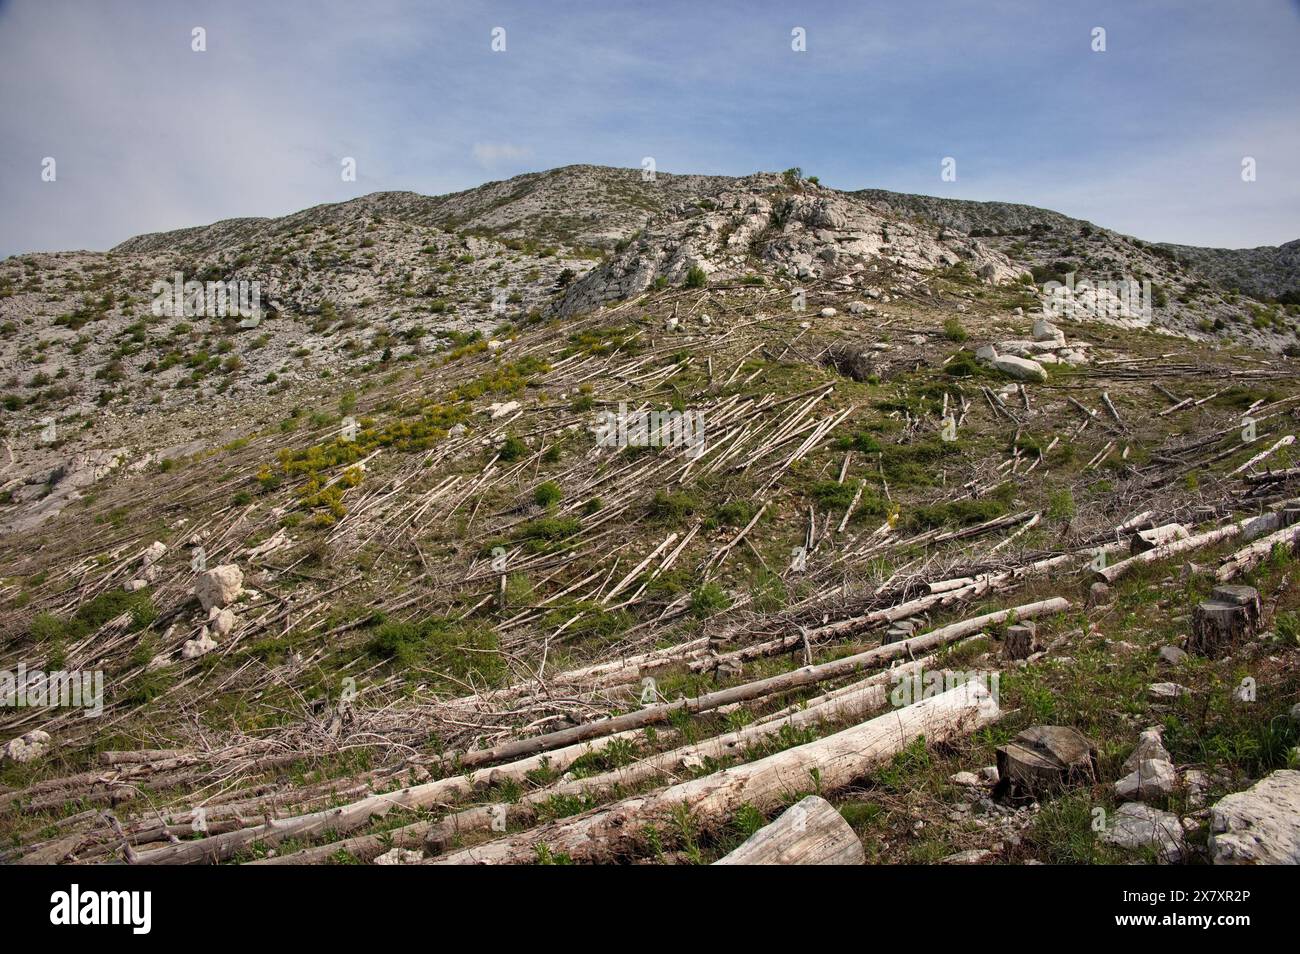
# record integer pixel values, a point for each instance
(708, 598)
(547, 494)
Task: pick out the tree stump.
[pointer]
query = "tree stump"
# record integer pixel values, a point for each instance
(1020, 641)
(1043, 760)
(1244, 596)
(1218, 625)
(810, 832)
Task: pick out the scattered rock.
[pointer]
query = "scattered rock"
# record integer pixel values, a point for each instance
(26, 748)
(1172, 655)
(1260, 826)
(1044, 330)
(828, 312)
(1136, 826)
(1150, 745)
(219, 586)
(502, 409)
(153, 553)
(974, 856)
(1022, 369)
(1167, 691)
(223, 622)
(132, 586)
(194, 648)
(1153, 777)
(965, 778)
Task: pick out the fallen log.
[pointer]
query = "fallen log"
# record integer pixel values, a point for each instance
(1249, 557)
(1145, 540)
(810, 832)
(1249, 528)
(807, 675)
(835, 761)
(850, 703)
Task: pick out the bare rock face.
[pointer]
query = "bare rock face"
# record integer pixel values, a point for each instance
(25, 748)
(811, 233)
(219, 586)
(1135, 826)
(1260, 826)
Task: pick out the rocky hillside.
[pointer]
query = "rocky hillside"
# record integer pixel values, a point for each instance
(406, 572)
(1267, 272)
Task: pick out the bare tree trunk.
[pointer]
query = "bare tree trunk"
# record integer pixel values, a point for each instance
(810, 832)
(828, 764)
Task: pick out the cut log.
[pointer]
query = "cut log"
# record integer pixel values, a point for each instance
(807, 675)
(810, 832)
(1044, 760)
(1145, 540)
(1249, 528)
(835, 761)
(1251, 556)
(1218, 626)
(849, 703)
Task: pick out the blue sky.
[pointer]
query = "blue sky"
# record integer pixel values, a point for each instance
(1147, 137)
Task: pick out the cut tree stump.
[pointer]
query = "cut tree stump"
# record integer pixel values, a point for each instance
(1043, 760)
(1220, 624)
(1020, 641)
(810, 832)
(1246, 596)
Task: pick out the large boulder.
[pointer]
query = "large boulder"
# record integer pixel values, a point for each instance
(219, 586)
(1260, 826)
(26, 747)
(1022, 369)
(1135, 826)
